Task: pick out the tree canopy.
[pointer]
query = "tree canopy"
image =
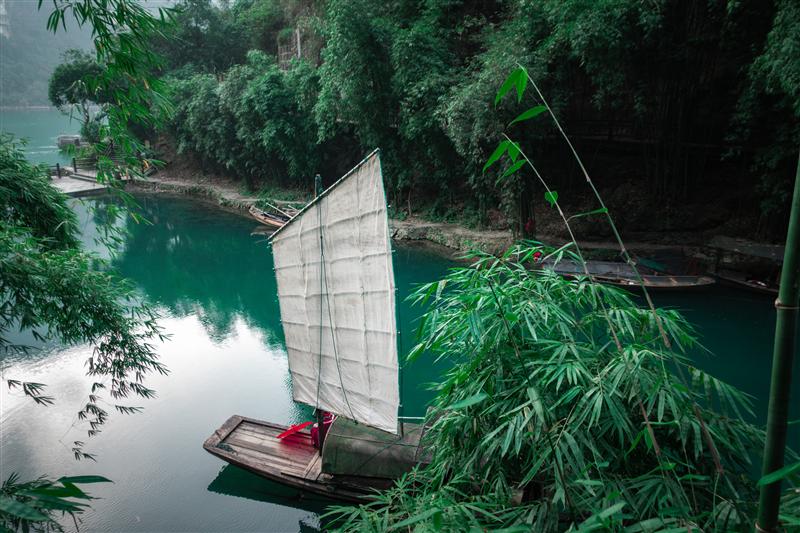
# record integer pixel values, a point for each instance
(677, 98)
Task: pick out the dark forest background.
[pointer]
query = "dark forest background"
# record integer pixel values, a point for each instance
(685, 111)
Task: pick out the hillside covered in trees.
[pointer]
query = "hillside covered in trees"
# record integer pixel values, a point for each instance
(684, 109)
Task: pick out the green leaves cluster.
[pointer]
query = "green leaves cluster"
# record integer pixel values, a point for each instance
(414, 79)
(123, 33)
(565, 411)
(255, 124)
(34, 506)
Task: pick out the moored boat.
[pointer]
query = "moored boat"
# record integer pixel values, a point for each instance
(742, 281)
(623, 275)
(335, 279)
(268, 219)
(355, 460)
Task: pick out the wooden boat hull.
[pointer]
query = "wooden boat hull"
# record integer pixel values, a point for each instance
(268, 219)
(664, 282)
(622, 275)
(293, 461)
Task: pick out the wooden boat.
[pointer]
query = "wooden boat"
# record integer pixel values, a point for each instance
(740, 280)
(623, 275)
(268, 219)
(335, 279)
(345, 473)
(764, 259)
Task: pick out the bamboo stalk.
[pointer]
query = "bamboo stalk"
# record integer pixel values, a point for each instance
(782, 360)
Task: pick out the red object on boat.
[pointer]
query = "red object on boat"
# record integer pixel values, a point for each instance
(294, 429)
(327, 420)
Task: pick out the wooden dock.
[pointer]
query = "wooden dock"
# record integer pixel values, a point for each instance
(78, 186)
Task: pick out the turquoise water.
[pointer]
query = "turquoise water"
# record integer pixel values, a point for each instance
(40, 127)
(213, 282)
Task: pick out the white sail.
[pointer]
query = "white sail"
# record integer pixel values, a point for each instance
(333, 263)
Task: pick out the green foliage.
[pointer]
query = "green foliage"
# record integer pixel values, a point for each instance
(123, 32)
(71, 89)
(33, 506)
(53, 288)
(415, 79)
(565, 409)
(255, 123)
(204, 35)
(769, 98)
(69, 83)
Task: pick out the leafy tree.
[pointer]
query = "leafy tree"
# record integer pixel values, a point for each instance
(71, 88)
(203, 34)
(256, 123)
(123, 32)
(673, 113)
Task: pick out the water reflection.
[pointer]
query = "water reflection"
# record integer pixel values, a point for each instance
(234, 481)
(192, 264)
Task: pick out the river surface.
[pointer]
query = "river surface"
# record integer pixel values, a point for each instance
(213, 282)
(40, 128)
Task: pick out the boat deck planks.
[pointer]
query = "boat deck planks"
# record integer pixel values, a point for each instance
(254, 445)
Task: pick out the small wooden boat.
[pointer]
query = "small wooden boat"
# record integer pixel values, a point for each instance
(355, 461)
(268, 219)
(335, 280)
(623, 275)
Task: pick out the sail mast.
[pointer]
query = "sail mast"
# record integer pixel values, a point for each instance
(320, 414)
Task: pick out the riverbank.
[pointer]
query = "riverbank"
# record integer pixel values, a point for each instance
(228, 194)
(452, 239)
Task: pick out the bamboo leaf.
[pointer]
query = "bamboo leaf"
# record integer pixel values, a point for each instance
(529, 114)
(511, 81)
(497, 154)
(414, 519)
(20, 510)
(84, 479)
(522, 82)
(472, 400)
(778, 475)
(511, 170)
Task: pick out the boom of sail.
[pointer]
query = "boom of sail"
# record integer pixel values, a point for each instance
(333, 264)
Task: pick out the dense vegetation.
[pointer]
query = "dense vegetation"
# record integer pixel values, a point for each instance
(682, 103)
(569, 407)
(69, 90)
